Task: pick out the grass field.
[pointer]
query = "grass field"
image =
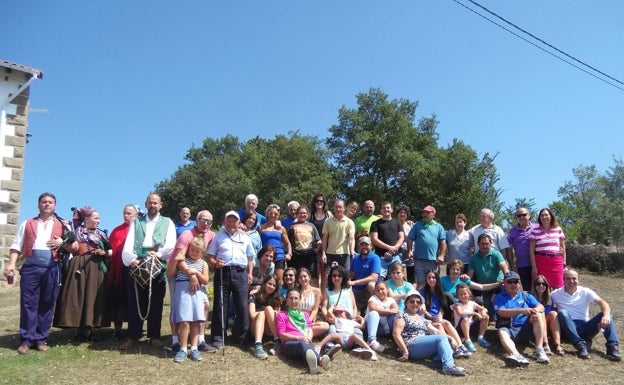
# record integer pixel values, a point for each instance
(69, 362)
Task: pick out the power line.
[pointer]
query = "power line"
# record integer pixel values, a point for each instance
(543, 42)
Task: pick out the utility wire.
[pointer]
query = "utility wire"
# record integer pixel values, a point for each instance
(543, 42)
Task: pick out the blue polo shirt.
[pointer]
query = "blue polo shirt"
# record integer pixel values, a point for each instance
(505, 301)
(426, 238)
(363, 267)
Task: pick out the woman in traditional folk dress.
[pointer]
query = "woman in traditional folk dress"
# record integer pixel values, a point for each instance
(82, 302)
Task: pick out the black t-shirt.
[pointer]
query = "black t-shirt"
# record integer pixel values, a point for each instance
(387, 232)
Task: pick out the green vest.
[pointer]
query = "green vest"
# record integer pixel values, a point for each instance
(160, 234)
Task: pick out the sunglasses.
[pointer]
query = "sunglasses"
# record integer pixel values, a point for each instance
(521, 215)
(205, 220)
(513, 281)
(319, 201)
(541, 284)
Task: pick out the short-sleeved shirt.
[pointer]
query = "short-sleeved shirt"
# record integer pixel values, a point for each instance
(385, 304)
(405, 288)
(363, 267)
(387, 232)
(519, 239)
(180, 228)
(434, 309)
(520, 300)
(451, 287)
(426, 239)
(487, 268)
(260, 305)
(364, 223)
(187, 236)
(499, 239)
(234, 249)
(547, 242)
(338, 232)
(576, 304)
(458, 246)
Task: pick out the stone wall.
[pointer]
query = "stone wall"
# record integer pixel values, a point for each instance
(12, 164)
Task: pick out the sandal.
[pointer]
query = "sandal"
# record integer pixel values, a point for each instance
(547, 350)
(559, 350)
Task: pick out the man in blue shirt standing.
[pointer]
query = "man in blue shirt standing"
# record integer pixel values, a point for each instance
(231, 255)
(426, 244)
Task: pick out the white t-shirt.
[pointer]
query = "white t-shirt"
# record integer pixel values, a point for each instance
(576, 304)
(382, 304)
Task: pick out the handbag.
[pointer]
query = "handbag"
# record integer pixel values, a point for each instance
(149, 268)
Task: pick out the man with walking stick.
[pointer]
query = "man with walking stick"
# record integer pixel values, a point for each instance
(231, 254)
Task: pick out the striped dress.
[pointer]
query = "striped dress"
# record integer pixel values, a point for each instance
(189, 305)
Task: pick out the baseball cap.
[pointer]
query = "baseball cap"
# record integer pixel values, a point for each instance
(511, 275)
(364, 240)
(232, 214)
(430, 208)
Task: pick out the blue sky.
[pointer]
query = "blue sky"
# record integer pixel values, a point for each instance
(131, 85)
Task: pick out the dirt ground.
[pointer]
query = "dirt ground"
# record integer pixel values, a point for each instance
(69, 362)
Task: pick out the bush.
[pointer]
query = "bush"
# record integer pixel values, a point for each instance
(598, 259)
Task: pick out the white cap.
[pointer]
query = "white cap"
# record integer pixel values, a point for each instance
(232, 213)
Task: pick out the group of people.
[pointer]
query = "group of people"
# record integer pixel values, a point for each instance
(303, 277)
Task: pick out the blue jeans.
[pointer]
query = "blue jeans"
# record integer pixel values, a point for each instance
(435, 346)
(296, 350)
(386, 263)
(579, 331)
(375, 323)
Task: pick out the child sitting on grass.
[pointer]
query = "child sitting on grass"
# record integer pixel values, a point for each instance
(346, 336)
(466, 312)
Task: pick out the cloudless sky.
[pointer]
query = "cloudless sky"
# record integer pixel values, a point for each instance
(131, 85)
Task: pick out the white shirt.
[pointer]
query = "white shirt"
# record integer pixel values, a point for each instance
(164, 252)
(44, 233)
(576, 304)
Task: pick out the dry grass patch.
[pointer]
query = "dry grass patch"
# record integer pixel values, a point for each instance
(68, 362)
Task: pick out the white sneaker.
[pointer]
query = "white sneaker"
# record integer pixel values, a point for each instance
(312, 362)
(540, 355)
(374, 357)
(376, 346)
(362, 353)
(326, 362)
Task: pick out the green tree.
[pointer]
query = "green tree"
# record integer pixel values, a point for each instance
(612, 206)
(379, 152)
(376, 148)
(465, 183)
(223, 171)
(578, 209)
(508, 218)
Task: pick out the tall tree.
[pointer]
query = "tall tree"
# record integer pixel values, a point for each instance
(379, 152)
(376, 147)
(578, 209)
(465, 183)
(223, 171)
(508, 219)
